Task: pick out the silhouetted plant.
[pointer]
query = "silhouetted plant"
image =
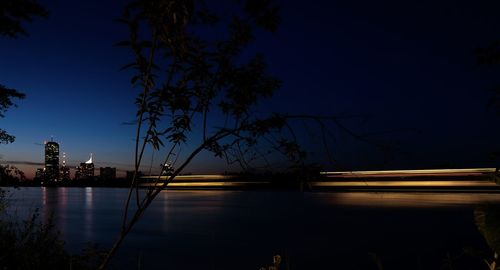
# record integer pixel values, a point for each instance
(12, 15)
(487, 219)
(275, 265)
(31, 244)
(14, 12)
(10, 175)
(193, 69)
(189, 62)
(6, 101)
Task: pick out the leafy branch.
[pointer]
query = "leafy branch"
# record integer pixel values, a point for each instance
(182, 76)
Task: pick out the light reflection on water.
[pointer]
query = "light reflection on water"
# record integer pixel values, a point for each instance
(408, 199)
(89, 208)
(216, 229)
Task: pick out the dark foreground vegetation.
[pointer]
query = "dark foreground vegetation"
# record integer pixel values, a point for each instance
(35, 244)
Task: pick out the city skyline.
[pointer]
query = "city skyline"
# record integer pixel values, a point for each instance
(416, 84)
(56, 170)
(184, 134)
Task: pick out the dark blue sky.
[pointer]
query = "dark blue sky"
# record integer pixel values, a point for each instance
(407, 65)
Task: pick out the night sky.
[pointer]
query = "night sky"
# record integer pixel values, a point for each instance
(408, 68)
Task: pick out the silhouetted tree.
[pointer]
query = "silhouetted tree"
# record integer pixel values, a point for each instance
(30, 244)
(191, 62)
(6, 101)
(487, 219)
(10, 175)
(12, 14)
(193, 68)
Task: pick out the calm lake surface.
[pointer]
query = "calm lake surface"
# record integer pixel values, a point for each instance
(244, 229)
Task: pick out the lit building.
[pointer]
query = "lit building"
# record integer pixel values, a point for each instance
(64, 173)
(40, 174)
(107, 173)
(85, 170)
(51, 162)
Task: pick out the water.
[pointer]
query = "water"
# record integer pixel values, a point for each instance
(244, 229)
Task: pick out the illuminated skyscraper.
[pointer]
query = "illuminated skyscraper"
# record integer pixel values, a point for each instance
(51, 161)
(85, 170)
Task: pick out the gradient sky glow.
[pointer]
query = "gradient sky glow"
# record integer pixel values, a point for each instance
(408, 65)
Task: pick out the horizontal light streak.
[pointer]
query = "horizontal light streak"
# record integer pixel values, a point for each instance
(207, 184)
(405, 184)
(429, 171)
(333, 179)
(192, 177)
